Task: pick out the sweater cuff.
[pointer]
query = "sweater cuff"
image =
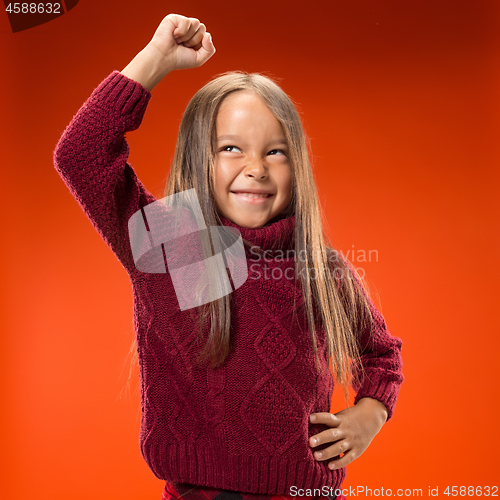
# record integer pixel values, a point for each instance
(122, 97)
(379, 388)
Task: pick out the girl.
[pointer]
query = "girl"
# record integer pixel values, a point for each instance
(245, 409)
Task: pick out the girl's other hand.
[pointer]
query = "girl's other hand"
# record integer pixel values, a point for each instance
(352, 431)
(183, 42)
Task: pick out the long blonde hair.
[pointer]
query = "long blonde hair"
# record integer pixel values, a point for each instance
(343, 309)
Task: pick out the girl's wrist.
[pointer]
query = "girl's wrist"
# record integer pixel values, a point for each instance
(147, 68)
(375, 407)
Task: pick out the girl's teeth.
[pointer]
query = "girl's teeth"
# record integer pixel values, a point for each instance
(251, 195)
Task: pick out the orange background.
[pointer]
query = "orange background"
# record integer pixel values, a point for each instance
(400, 99)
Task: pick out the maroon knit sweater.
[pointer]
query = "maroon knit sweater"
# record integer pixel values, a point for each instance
(244, 426)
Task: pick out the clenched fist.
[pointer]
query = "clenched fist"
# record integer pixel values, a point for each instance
(179, 43)
(183, 41)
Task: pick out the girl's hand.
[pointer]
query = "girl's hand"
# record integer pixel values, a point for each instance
(178, 43)
(352, 430)
(183, 42)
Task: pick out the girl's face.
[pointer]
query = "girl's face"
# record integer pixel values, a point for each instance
(251, 158)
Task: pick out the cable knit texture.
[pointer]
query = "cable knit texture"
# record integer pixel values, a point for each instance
(244, 426)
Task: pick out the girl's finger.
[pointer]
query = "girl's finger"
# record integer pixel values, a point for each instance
(343, 461)
(195, 41)
(188, 28)
(180, 32)
(182, 27)
(325, 418)
(332, 451)
(329, 436)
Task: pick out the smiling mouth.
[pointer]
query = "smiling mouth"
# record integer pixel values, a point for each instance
(253, 195)
(253, 198)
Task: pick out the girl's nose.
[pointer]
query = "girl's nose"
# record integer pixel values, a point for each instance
(256, 169)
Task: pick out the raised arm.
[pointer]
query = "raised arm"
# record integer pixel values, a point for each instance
(91, 155)
(91, 158)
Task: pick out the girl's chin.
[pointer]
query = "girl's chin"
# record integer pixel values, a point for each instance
(248, 222)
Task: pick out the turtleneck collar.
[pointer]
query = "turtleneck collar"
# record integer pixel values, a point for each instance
(273, 236)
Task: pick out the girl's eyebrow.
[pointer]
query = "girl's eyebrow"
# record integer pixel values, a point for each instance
(230, 136)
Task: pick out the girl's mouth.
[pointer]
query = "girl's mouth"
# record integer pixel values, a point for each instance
(253, 197)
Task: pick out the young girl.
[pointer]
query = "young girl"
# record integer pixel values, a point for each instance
(235, 392)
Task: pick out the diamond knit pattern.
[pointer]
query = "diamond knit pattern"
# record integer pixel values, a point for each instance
(244, 426)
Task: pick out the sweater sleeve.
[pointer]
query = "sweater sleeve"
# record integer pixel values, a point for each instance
(91, 158)
(381, 360)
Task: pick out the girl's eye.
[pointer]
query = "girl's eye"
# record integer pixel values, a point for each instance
(228, 148)
(278, 150)
(225, 148)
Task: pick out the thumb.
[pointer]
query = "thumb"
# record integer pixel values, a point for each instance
(207, 49)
